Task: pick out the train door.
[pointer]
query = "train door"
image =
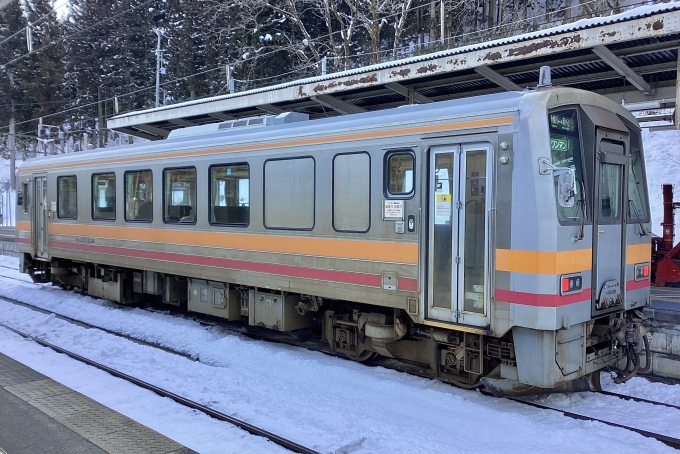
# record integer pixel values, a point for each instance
(608, 221)
(40, 217)
(459, 200)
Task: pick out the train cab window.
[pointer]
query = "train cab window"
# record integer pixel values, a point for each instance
(399, 174)
(67, 206)
(104, 196)
(289, 193)
(351, 192)
(230, 194)
(139, 196)
(179, 195)
(565, 150)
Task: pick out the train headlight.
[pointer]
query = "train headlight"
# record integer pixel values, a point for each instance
(571, 283)
(641, 271)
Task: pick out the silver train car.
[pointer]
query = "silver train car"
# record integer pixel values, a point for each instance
(501, 239)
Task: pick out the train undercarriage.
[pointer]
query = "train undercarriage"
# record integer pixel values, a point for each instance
(358, 331)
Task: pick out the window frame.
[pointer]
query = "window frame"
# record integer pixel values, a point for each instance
(125, 195)
(59, 197)
(386, 174)
(163, 201)
(264, 192)
(115, 200)
(210, 194)
(370, 186)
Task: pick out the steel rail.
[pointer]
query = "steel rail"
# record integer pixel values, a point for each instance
(670, 441)
(253, 430)
(637, 399)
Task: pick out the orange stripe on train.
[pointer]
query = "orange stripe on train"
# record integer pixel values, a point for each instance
(382, 251)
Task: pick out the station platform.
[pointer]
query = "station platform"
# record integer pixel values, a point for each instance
(665, 298)
(7, 234)
(39, 415)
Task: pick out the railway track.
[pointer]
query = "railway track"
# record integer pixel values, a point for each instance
(668, 440)
(250, 428)
(671, 441)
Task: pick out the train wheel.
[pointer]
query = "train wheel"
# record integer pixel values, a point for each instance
(365, 357)
(476, 383)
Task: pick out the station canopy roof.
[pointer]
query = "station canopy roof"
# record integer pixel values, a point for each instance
(630, 57)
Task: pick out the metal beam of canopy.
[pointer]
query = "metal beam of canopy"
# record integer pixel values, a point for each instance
(496, 78)
(408, 92)
(337, 104)
(622, 68)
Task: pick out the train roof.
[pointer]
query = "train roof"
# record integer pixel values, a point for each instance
(465, 107)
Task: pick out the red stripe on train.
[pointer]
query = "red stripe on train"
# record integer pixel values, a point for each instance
(23, 240)
(541, 300)
(241, 265)
(636, 285)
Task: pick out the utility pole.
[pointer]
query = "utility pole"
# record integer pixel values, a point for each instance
(100, 129)
(159, 59)
(442, 19)
(11, 143)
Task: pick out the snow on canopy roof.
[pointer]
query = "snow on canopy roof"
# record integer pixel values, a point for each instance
(635, 13)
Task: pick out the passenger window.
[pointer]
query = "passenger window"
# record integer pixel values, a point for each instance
(139, 196)
(23, 197)
(179, 198)
(400, 175)
(67, 206)
(351, 192)
(289, 194)
(104, 196)
(230, 194)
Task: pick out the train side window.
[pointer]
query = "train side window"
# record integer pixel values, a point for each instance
(179, 195)
(23, 198)
(139, 196)
(289, 193)
(352, 192)
(399, 174)
(230, 194)
(104, 196)
(638, 201)
(67, 197)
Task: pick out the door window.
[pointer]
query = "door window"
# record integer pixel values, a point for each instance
(610, 192)
(475, 231)
(443, 230)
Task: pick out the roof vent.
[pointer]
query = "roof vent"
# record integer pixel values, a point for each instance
(263, 120)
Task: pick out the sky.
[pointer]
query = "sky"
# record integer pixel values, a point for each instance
(327, 403)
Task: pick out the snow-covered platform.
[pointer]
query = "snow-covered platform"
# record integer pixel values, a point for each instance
(41, 415)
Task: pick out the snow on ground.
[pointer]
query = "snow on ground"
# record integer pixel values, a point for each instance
(320, 401)
(662, 152)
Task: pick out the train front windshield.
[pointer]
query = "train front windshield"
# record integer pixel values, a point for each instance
(565, 148)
